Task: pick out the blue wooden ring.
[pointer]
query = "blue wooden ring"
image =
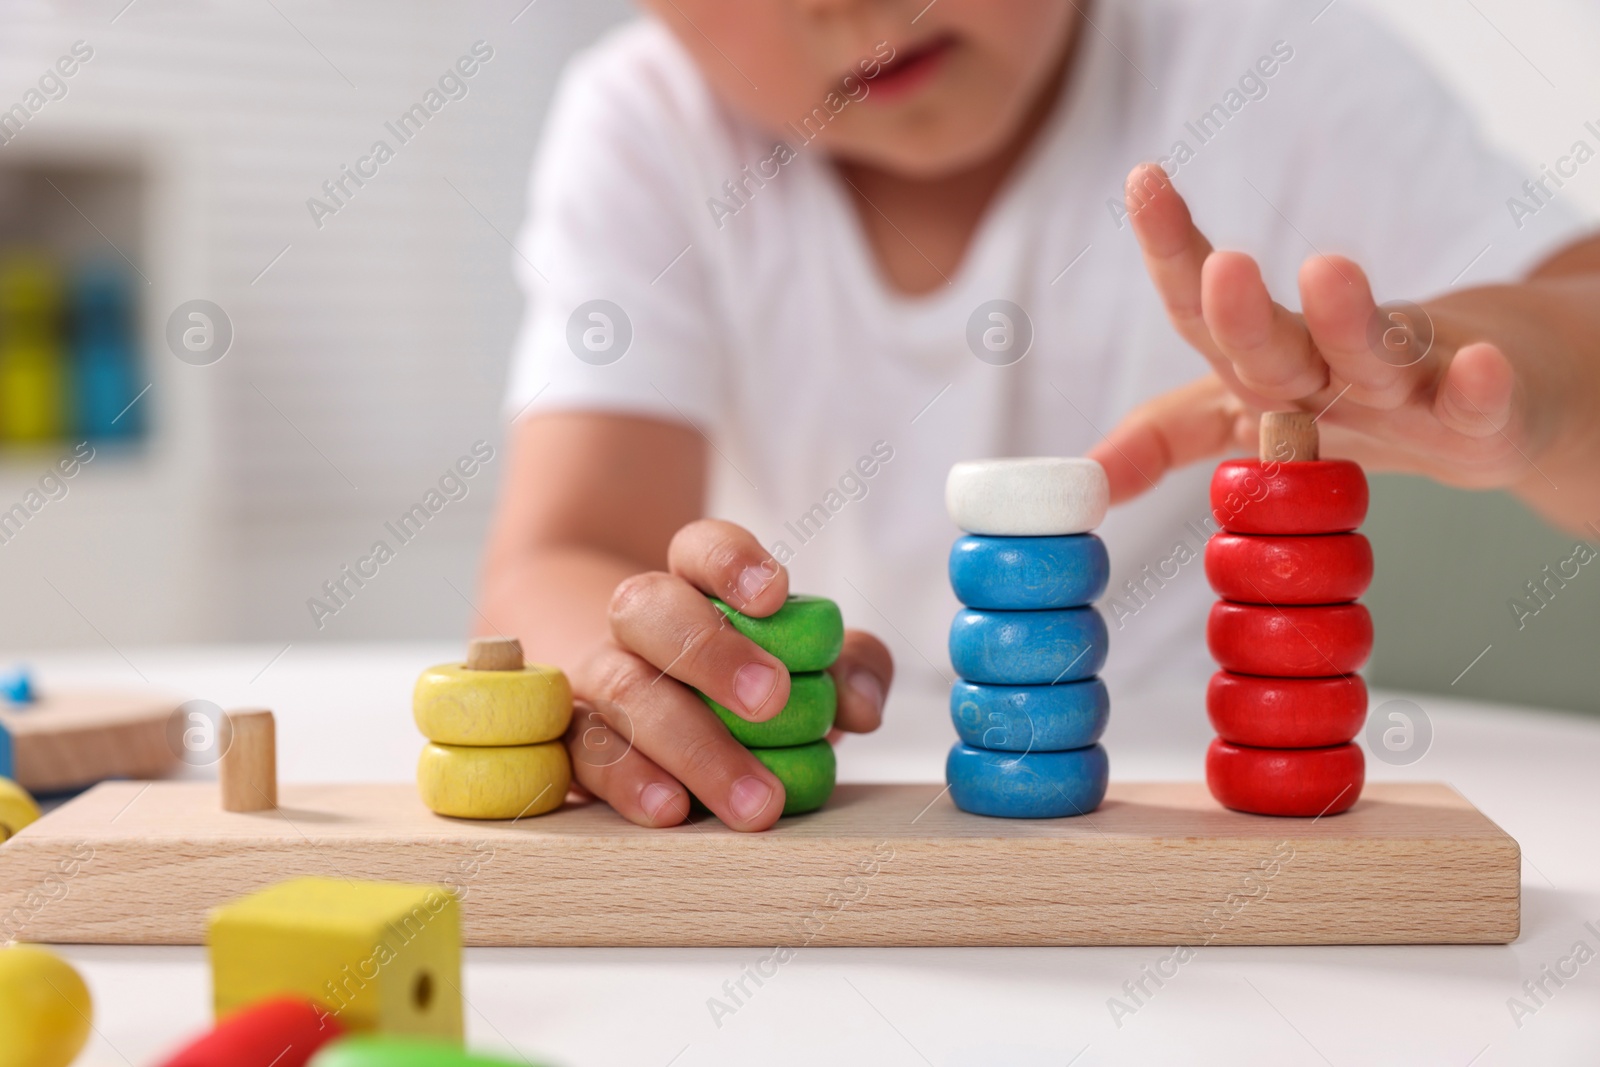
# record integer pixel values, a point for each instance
(1030, 718)
(1033, 785)
(1028, 647)
(1029, 573)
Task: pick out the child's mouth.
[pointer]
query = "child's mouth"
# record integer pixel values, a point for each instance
(911, 69)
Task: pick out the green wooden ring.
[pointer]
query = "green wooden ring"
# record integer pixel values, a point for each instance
(806, 634)
(806, 771)
(807, 717)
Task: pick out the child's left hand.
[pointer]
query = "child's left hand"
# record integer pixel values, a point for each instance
(1466, 410)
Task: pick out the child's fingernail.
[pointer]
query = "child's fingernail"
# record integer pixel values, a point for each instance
(655, 798)
(749, 797)
(865, 685)
(751, 582)
(753, 685)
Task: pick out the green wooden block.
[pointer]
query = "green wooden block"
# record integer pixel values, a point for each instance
(403, 1052)
(806, 771)
(807, 717)
(806, 634)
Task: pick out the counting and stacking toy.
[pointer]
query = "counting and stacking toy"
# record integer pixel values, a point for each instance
(1029, 706)
(44, 1009)
(494, 727)
(1287, 634)
(278, 1032)
(377, 956)
(806, 635)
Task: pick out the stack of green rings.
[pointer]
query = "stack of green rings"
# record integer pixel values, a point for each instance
(806, 635)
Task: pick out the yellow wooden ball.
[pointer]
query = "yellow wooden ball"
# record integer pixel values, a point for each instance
(455, 705)
(494, 783)
(44, 1009)
(17, 808)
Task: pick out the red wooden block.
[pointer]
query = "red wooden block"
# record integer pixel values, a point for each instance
(1289, 642)
(1286, 712)
(1285, 781)
(281, 1032)
(1326, 569)
(1312, 497)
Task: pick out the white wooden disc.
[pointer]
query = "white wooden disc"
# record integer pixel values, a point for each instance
(1040, 496)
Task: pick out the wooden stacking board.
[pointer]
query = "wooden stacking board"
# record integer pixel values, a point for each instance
(1158, 864)
(69, 739)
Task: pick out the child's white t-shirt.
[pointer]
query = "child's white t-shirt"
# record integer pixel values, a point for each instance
(755, 313)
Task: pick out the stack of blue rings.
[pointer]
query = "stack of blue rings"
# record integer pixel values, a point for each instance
(1029, 705)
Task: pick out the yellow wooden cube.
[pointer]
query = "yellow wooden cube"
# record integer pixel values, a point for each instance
(380, 956)
(494, 783)
(456, 705)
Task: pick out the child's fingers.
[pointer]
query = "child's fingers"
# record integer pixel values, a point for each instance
(605, 762)
(1337, 302)
(862, 675)
(1477, 394)
(674, 729)
(1174, 429)
(1174, 251)
(673, 627)
(1268, 345)
(726, 561)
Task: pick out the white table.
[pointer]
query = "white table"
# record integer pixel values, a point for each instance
(344, 715)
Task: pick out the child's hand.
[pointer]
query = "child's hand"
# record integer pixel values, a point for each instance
(643, 741)
(1459, 410)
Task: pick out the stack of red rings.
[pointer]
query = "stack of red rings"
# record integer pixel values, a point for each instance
(1288, 635)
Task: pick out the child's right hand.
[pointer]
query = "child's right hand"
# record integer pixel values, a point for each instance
(643, 741)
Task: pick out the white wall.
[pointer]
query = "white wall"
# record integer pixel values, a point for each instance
(370, 356)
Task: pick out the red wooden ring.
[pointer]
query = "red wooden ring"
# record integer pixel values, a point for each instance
(1312, 497)
(279, 1032)
(1304, 782)
(1286, 712)
(1289, 642)
(1326, 569)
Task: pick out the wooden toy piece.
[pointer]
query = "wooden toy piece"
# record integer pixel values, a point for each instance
(1303, 782)
(400, 1052)
(494, 654)
(1030, 718)
(1412, 863)
(1044, 496)
(465, 705)
(67, 739)
(500, 782)
(1326, 569)
(1030, 785)
(1314, 497)
(1288, 437)
(1286, 712)
(807, 717)
(17, 809)
(378, 956)
(248, 770)
(16, 686)
(278, 1032)
(1028, 647)
(1289, 642)
(45, 1009)
(806, 634)
(808, 773)
(1029, 573)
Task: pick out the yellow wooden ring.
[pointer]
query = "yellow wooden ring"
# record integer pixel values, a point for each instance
(44, 1008)
(494, 783)
(457, 706)
(17, 808)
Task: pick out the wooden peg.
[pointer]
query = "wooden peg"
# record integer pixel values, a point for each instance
(494, 654)
(249, 768)
(1288, 436)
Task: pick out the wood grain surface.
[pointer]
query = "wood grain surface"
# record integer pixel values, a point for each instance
(69, 739)
(1157, 864)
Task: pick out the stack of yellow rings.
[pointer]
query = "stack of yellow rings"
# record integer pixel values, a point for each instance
(494, 727)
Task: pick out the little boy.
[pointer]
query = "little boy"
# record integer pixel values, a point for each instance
(788, 260)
